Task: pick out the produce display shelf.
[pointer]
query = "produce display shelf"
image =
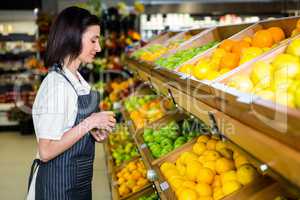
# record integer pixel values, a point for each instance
(280, 157)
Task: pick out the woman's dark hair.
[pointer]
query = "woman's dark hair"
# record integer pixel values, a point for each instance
(66, 33)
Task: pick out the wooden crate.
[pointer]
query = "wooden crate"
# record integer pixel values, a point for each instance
(190, 85)
(278, 121)
(115, 193)
(245, 192)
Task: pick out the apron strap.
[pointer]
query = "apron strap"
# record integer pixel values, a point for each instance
(58, 68)
(35, 164)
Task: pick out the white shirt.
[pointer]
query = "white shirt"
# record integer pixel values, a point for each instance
(55, 107)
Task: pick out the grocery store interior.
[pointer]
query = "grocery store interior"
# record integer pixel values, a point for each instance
(205, 94)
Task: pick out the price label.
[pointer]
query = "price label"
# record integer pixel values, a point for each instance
(143, 146)
(164, 186)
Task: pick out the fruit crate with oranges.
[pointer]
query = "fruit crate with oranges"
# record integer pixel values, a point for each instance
(269, 86)
(130, 182)
(242, 47)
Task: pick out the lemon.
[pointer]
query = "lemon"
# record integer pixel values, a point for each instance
(240, 160)
(186, 69)
(246, 174)
(193, 169)
(176, 182)
(228, 176)
(224, 165)
(181, 169)
(203, 138)
(205, 198)
(188, 194)
(261, 73)
(189, 184)
(203, 189)
(218, 193)
(217, 182)
(201, 70)
(220, 145)
(211, 155)
(199, 148)
(166, 166)
(294, 48)
(205, 175)
(227, 153)
(210, 165)
(230, 187)
(211, 144)
(286, 65)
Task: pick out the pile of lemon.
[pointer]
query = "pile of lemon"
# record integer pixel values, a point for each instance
(209, 172)
(131, 178)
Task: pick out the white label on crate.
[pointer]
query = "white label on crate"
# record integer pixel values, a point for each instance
(164, 186)
(143, 146)
(129, 123)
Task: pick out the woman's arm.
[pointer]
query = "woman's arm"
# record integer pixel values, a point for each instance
(49, 149)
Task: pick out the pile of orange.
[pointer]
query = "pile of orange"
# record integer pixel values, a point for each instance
(211, 171)
(131, 178)
(150, 111)
(232, 53)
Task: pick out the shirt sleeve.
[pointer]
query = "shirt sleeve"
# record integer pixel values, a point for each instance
(50, 110)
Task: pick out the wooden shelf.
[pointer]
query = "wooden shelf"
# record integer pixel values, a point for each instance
(279, 157)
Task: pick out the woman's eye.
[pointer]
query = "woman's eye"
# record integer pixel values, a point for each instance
(93, 41)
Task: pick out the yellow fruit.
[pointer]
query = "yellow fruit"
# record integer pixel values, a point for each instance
(141, 182)
(297, 97)
(235, 154)
(211, 144)
(218, 53)
(210, 165)
(203, 138)
(212, 75)
(211, 155)
(205, 175)
(227, 153)
(217, 181)
(171, 172)
(199, 148)
(181, 169)
(294, 48)
(261, 74)
(166, 166)
(131, 183)
(241, 82)
(228, 176)
(203, 189)
(176, 182)
(136, 188)
(136, 175)
(188, 194)
(224, 165)
(230, 187)
(188, 156)
(220, 145)
(123, 190)
(121, 180)
(189, 184)
(218, 194)
(186, 69)
(286, 66)
(202, 160)
(192, 170)
(201, 70)
(246, 174)
(240, 160)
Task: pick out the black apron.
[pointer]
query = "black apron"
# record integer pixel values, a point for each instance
(69, 175)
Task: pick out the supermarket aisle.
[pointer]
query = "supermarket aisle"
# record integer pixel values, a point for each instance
(16, 153)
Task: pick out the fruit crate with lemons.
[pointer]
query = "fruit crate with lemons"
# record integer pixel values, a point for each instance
(271, 84)
(130, 181)
(152, 52)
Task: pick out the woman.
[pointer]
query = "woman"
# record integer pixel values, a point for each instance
(65, 112)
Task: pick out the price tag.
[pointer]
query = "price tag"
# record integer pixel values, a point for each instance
(164, 186)
(143, 146)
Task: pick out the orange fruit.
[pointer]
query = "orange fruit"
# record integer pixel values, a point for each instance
(227, 44)
(239, 46)
(298, 24)
(262, 38)
(247, 39)
(277, 34)
(230, 60)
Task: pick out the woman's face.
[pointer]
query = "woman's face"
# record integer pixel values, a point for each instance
(90, 44)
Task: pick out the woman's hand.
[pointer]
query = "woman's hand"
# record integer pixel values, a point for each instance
(101, 120)
(99, 135)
